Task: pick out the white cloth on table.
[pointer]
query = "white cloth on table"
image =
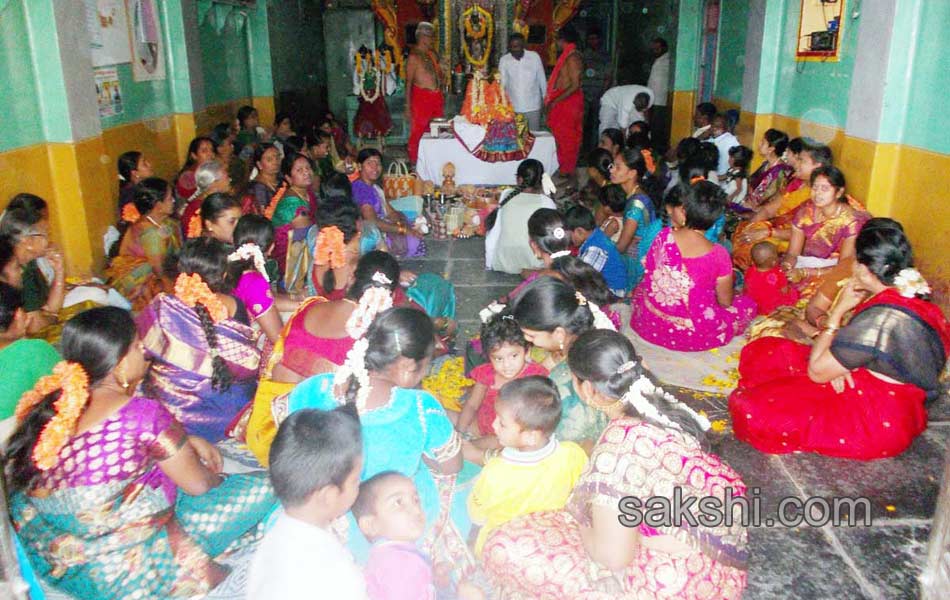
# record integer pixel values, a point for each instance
(471, 134)
(524, 81)
(659, 80)
(435, 152)
(506, 244)
(616, 106)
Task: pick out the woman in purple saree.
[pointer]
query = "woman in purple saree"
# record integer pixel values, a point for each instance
(204, 353)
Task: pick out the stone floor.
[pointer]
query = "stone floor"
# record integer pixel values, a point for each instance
(881, 561)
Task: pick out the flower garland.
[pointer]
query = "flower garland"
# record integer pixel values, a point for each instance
(636, 397)
(72, 379)
(130, 214)
(909, 283)
(490, 311)
(192, 290)
(601, 320)
(371, 69)
(278, 196)
(449, 385)
(648, 160)
(373, 301)
(467, 17)
(331, 248)
(195, 226)
(250, 251)
(354, 366)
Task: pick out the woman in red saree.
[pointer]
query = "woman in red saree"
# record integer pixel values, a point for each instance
(565, 101)
(859, 391)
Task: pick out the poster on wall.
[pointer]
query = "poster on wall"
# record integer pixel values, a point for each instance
(108, 27)
(108, 92)
(145, 34)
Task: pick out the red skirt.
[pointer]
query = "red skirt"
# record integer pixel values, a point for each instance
(425, 105)
(372, 119)
(565, 120)
(777, 408)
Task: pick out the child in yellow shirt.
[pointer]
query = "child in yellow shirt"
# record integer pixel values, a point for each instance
(534, 471)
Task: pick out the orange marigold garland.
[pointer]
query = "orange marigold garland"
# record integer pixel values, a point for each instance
(130, 214)
(697, 179)
(269, 211)
(71, 378)
(192, 290)
(331, 248)
(648, 159)
(194, 226)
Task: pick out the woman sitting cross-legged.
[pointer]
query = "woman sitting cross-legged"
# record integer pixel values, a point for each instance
(138, 270)
(316, 340)
(109, 495)
(402, 238)
(652, 446)
(860, 390)
(686, 300)
(204, 353)
(404, 429)
(507, 246)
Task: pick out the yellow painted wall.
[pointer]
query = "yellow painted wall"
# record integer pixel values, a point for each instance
(684, 104)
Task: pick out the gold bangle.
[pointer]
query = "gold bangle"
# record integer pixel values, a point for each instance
(829, 329)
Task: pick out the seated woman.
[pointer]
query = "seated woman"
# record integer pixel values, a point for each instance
(598, 176)
(404, 429)
(210, 178)
(337, 246)
(293, 213)
(552, 315)
(630, 171)
(316, 340)
(109, 495)
(507, 245)
(265, 181)
(585, 548)
(151, 235)
(401, 238)
(22, 361)
(219, 215)
(860, 390)
(686, 300)
(824, 229)
(224, 136)
(773, 175)
(200, 150)
(133, 167)
(772, 222)
(253, 241)
(204, 353)
(25, 223)
(612, 140)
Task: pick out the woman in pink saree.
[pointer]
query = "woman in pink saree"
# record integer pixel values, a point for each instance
(686, 300)
(652, 445)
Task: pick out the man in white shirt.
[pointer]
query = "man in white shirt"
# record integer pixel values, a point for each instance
(724, 140)
(702, 120)
(622, 105)
(659, 82)
(522, 77)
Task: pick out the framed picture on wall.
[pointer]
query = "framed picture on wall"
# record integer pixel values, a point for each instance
(819, 30)
(145, 36)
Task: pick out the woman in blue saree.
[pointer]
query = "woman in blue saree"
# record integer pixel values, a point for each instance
(404, 429)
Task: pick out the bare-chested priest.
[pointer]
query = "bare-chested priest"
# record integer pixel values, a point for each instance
(424, 99)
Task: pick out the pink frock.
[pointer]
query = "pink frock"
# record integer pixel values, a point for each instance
(485, 375)
(675, 305)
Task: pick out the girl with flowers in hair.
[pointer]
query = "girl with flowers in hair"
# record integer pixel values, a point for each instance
(217, 218)
(292, 212)
(253, 242)
(265, 181)
(552, 315)
(110, 496)
(859, 391)
(652, 445)
(133, 167)
(316, 339)
(404, 429)
(150, 237)
(204, 353)
(631, 170)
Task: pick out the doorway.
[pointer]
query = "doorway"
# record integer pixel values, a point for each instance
(708, 48)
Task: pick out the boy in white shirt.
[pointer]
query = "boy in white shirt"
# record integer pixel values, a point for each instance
(724, 140)
(315, 464)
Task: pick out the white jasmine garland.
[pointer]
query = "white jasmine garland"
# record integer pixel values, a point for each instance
(547, 185)
(909, 283)
(373, 301)
(250, 251)
(601, 320)
(559, 254)
(354, 366)
(636, 397)
(489, 311)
